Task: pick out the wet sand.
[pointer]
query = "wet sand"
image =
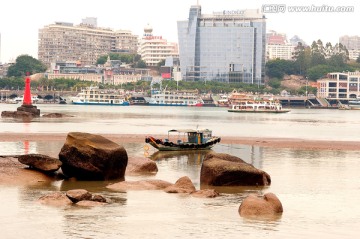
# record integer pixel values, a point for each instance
(140, 138)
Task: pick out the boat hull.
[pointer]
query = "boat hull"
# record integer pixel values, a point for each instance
(259, 111)
(94, 103)
(187, 146)
(187, 105)
(169, 148)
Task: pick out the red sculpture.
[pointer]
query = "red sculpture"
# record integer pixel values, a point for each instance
(27, 94)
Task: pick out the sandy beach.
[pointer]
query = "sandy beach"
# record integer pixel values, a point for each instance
(140, 138)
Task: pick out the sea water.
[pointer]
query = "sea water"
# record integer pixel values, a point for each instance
(319, 189)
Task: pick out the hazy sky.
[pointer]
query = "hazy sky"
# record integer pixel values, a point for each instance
(20, 20)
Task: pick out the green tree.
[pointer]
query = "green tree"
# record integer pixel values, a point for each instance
(302, 57)
(140, 64)
(274, 83)
(317, 53)
(101, 60)
(278, 67)
(318, 71)
(24, 64)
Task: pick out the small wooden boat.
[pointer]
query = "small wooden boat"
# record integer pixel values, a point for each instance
(184, 139)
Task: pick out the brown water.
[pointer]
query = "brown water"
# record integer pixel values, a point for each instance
(319, 190)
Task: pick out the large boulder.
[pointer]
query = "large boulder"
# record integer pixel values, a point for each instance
(92, 157)
(40, 162)
(255, 206)
(220, 169)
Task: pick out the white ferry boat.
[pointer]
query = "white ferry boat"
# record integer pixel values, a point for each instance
(94, 96)
(19, 99)
(258, 106)
(176, 98)
(223, 101)
(354, 104)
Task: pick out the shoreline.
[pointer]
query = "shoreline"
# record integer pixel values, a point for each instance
(256, 141)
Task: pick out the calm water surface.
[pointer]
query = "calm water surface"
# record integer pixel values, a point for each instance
(319, 190)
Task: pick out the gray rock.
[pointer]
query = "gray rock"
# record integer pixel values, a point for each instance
(139, 185)
(255, 206)
(55, 199)
(205, 193)
(76, 195)
(92, 157)
(182, 185)
(137, 165)
(41, 162)
(226, 170)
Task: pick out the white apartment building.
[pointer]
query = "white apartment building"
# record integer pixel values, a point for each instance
(153, 49)
(284, 52)
(85, 42)
(354, 54)
(339, 86)
(351, 42)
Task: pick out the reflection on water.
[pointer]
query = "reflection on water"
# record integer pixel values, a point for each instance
(318, 190)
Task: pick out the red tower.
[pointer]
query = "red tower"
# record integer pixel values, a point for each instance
(27, 92)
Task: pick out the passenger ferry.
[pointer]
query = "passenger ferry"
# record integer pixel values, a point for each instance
(94, 96)
(176, 98)
(258, 106)
(223, 101)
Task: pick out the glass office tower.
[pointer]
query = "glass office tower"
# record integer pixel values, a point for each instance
(226, 46)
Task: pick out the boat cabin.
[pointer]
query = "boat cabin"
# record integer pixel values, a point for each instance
(190, 136)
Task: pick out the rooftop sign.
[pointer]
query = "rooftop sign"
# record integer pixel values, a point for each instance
(230, 12)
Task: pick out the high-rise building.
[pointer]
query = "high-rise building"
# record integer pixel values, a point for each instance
(90, 21)
(274, 38)
(154, 49)
(295, 40)
(84, 43)
(278, 47)
(226, 46)
(351, 42)
(284, 52)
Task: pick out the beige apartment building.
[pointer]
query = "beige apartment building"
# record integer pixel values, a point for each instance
(339, 85)
(83, 43)
(153, 49)
(284, 52)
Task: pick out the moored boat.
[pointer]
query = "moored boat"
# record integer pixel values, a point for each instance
(94, 96)
(223, 101)
(258, 106)
(176, 98)
(186, 139)
(138, 100)
(354, 104)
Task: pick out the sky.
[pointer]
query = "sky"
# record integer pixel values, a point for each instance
(20, 20)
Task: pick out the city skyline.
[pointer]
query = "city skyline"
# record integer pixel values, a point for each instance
(21, 20)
